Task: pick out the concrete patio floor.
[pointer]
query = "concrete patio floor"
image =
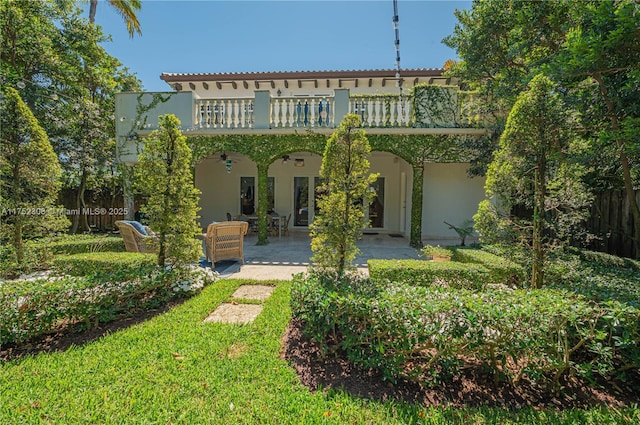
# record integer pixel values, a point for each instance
(289, 255)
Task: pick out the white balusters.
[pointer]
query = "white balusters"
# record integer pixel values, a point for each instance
(284, 113)
(310, 119)
(303, 112)
(292, 113)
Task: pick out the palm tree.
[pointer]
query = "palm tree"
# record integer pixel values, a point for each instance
(126, 8)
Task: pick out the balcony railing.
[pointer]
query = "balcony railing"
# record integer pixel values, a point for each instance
(308, 112)
(459, 109)
(224, 113)
(382, 110)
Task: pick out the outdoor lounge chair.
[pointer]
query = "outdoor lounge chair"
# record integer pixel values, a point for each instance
(137, 238)
(225, 240)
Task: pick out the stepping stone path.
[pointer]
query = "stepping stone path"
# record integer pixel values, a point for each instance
(237, 312)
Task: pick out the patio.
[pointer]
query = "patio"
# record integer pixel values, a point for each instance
(285, 256)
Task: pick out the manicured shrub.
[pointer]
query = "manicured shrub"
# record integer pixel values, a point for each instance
(77, 244)
(427, 273)
(31, 308)
(40, 252)
(431, 252)
(101, 262)
(501, 270)
(315, 299)
(607, 260)
(427, 333)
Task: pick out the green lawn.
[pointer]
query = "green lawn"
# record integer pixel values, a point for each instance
(176, 369)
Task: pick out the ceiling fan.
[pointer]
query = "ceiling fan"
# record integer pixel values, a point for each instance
(228, 161)
(225, 156)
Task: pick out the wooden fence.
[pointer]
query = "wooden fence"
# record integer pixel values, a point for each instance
(612, 222)
(101, 211)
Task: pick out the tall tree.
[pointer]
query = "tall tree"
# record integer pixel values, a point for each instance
(503, 44)
(69, 82)
(30, 53)
(29, 176)
(345, 172)
(591, 48)
(164, 175)
(125, 8)
(532, 170)
(602, 54)
(85, 138)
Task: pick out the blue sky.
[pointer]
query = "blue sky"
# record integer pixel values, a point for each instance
(254, 36)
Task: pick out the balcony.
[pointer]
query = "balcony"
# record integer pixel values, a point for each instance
(319, 112)
(430, 110)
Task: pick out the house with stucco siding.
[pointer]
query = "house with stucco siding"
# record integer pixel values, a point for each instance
(258, 138)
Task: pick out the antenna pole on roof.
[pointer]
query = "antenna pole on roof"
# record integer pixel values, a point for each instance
(396, 27)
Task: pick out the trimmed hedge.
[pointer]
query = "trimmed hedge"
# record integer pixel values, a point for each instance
(77, 244)
(102, 262)
(32, 308)
(427, 333)
(40, 252)
(501, 269)
(607, 260)
(428, 273)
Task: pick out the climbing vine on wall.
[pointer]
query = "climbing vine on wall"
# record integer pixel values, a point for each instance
(437, 106)
(265, 149)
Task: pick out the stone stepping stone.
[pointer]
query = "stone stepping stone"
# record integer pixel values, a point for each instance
(241, 313)
(253, 292)
(234, 313)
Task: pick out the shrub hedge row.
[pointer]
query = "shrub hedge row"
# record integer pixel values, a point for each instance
(427, 333)
(101, 262)
(40, 252)
(500, 269)
(31, 308)
(427, 273)
(77, 244)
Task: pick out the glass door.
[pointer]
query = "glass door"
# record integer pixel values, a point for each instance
(376, 208)
(247, 195)
(301, 201)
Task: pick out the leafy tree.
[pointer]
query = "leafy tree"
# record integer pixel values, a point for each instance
(125, 8)
(164, 175)
(345, 172)
(532, 171)
(30, 53)
(69, 82)
(85, 138)
(602, 55)
(591, 48)
(29, 176)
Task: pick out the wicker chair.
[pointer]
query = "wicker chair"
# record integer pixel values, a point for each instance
(225, 240)
(285, 225)
(134, 241)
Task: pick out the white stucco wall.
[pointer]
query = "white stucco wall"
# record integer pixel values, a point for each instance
(221, 190)
(179, 104)
(449, 194)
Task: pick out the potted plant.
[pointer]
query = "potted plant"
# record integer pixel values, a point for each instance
(436, 253)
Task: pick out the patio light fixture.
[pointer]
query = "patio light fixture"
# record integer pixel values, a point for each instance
(285, 158)
(227, 161)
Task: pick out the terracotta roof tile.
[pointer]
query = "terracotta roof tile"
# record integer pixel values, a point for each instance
(281, 75)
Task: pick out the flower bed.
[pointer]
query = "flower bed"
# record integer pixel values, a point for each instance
(32, 308)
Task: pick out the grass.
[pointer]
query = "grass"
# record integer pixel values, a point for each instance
(176, 369)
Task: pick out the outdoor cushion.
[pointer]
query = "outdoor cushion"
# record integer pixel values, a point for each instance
(139, 227)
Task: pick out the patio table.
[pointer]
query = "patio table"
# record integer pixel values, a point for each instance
(275, 217)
